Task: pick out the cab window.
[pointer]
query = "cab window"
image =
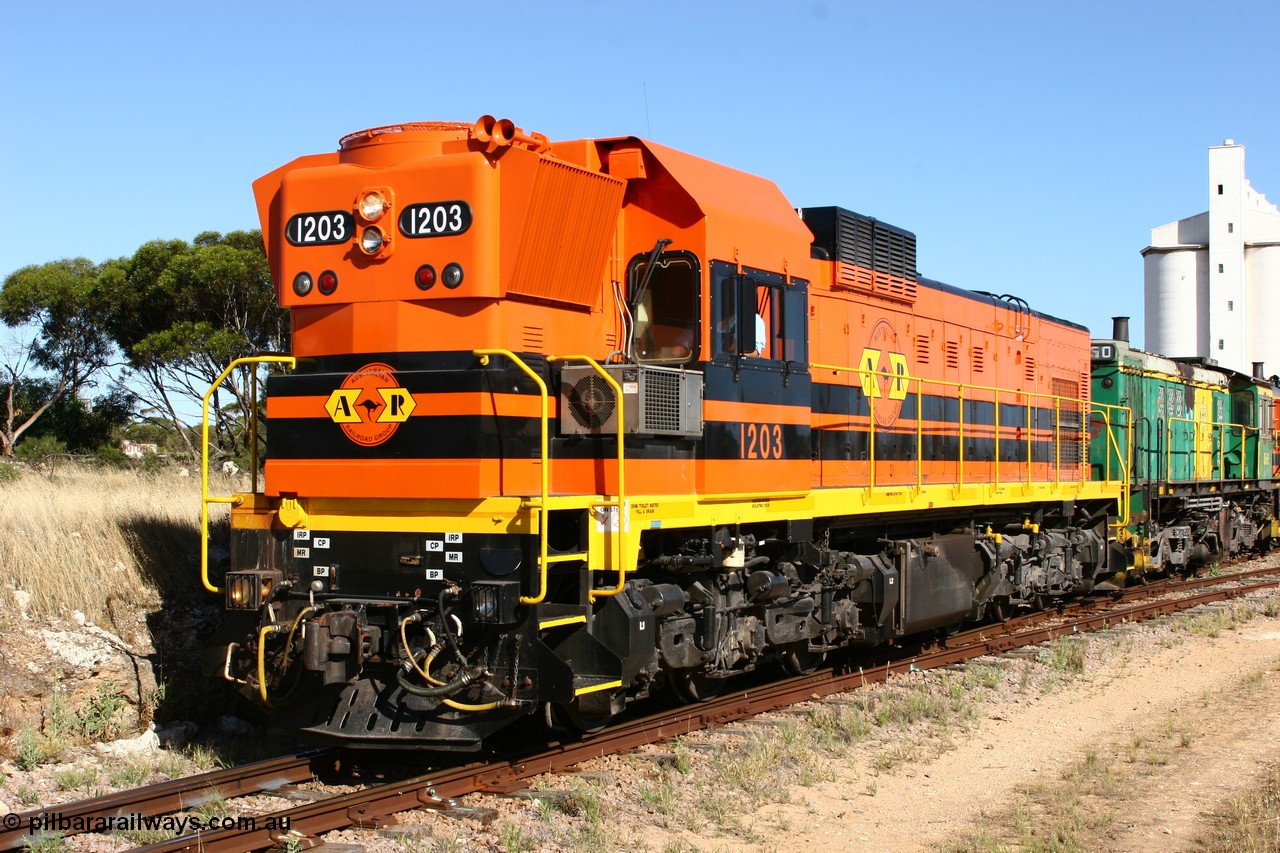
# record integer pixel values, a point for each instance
(665, 308)
(758, 316)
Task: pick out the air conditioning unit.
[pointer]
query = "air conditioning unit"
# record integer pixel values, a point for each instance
(658, 400)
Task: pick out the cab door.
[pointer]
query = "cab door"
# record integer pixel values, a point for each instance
(756, 402)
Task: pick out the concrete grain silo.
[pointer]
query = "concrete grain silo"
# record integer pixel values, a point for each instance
(1212, 281)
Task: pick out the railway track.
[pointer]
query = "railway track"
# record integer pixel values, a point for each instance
(439, 788)
(174, 795)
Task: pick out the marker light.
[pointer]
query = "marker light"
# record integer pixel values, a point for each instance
(372, 205)
(371, 241)
(302, 283)
(425, 278)
(452, 276)
(328, 282)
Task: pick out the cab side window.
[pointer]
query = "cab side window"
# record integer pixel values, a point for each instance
(665, 308)
(756, 315)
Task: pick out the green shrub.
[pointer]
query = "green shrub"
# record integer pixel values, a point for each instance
(112, 456)
(39, 448)
(151, 463)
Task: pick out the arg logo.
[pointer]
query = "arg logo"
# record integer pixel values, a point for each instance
(370, 405)
(886, 378)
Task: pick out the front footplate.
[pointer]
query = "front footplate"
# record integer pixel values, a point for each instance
(374, 712)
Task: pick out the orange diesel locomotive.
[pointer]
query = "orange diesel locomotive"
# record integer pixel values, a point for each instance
(569, 422)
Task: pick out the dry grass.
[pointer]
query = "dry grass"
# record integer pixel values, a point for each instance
(107, 542)
(1250, 823)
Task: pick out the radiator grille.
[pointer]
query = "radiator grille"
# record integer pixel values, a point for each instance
(1070, 424)
(564, 241)
(661, 402)
(951, 353)
(863, 241)
(869, 255)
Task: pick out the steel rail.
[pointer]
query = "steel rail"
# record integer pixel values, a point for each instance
(437, 789)
(172, 795)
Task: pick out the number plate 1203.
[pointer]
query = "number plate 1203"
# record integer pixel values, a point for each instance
(435, 219)
(321, 228)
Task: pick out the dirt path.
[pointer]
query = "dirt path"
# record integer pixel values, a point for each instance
(1201, 689)
(1165, 727)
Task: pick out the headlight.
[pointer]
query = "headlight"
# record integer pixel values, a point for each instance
(302, 283)
(495, 602)
(249, 590)
(372, 205)
(371, 241)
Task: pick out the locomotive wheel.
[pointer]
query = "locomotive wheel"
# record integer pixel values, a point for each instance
(696, 687)
(571, 720)
(1000, 609)
(798, 660)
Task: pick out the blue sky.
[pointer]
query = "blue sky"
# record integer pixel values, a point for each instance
(1030, 146)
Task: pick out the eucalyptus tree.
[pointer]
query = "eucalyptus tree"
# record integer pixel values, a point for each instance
(55, 313)
(182, 311)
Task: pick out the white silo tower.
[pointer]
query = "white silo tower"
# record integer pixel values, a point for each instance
(1212, 281)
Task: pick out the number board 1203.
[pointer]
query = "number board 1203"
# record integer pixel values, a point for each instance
(320, 228)
(435, 219)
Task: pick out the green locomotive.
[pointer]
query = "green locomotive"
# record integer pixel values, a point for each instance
(1200, 453)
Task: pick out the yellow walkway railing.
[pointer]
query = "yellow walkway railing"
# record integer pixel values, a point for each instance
(205, 497)
(620, 536)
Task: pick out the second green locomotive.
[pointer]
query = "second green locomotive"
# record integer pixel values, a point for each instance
(1201, 458)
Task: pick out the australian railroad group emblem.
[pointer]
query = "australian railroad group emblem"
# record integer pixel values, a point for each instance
(370, 404)
(886, 379)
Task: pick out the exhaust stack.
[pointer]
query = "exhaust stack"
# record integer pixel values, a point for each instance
(1120, 329)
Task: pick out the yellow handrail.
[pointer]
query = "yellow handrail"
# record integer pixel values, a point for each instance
(545, 487)
(205, 499)
(1030, 442)
(1123, 459)
(869, 377)
(620, 539)
(871, 440)
(919, 437)
(997, 453)
(1057, 440)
